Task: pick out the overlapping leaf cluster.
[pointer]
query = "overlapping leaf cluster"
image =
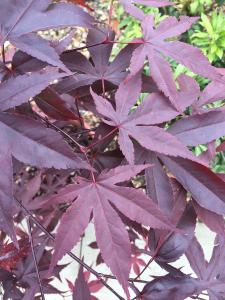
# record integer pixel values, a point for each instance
(60, 170)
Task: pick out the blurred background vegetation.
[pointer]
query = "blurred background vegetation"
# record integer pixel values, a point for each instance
(208, 34)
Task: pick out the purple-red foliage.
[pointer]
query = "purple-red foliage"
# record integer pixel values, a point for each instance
(59, 172)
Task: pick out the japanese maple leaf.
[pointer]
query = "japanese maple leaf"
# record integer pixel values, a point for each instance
(98, 67)
(21, 19)
(155, 46)
(129, 6)
(101, 196)
(10, 255)
(134, 124)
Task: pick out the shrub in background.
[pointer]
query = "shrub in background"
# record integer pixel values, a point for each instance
(210, 37)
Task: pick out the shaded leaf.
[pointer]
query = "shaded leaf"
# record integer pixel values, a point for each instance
(201, 128)
(214, 221)
(24, 137)
(177, 243)
(10, 255)
(205, 186)
(6, 195)
(18, 90)
(50, 102)
(81, 290)
(171, 287)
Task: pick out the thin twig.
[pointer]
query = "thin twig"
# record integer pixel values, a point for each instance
(103, 138)
(159, 245)
(3, 54)
(77, 259)
(35, 259)
(78, 112)
(136, 297)
(130, 279)
(62, 131)
(104, 42)
(103, 88)
(85, 47)
(197, 297)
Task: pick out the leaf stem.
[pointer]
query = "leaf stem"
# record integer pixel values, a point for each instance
(130, 279)
(104, 42)
(78, 112)
(159, 244)
(85, 47)
(102, 139)
(60, 130)
(34, 258)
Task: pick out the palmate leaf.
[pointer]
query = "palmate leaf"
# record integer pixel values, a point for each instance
(21, 18)
(154, 44)
(133, 125)
(101, 196)
(98, 67)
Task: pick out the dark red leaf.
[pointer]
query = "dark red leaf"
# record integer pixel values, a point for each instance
(99, 197)
(171, 287)
(10, 255)
(205, 186)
